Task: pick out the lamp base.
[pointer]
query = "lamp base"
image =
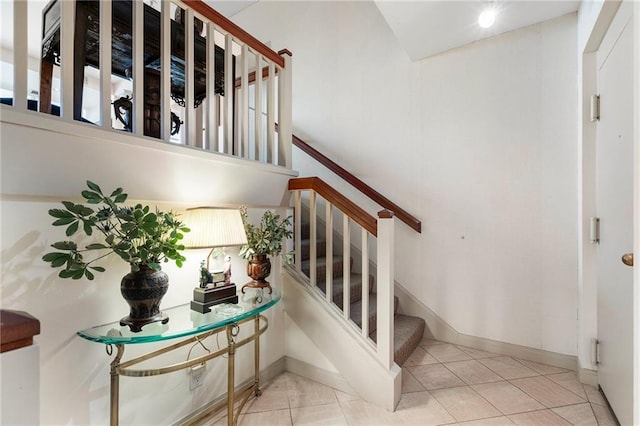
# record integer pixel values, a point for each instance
(205, 298)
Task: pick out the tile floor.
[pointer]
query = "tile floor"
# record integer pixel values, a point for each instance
(442, 384)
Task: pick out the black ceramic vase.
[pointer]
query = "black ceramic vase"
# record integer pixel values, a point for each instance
(143, 290)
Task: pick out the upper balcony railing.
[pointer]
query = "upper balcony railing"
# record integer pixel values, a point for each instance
(177, 71)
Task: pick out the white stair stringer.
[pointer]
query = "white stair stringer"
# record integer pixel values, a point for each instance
(354, 359)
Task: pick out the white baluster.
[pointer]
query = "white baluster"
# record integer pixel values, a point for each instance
(67, 25)
(260, 151)
(312, 240)
(194, 134)
(211, 99)
(271, 114)
(138, 67)
(365, 283)
(329, 251)
(243, 107)
(297, 212)
(20, 59)
(105, 64)
(165, 70)
(228, 95)
(346, 267)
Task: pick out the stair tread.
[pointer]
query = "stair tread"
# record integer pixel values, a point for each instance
(407, 334)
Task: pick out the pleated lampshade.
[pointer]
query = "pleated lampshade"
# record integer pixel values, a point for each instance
(213, 227)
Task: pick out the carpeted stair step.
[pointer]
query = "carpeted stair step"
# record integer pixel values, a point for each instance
(407, 334)
(356, 312)
(355, 288)
(305, 252)
(321, 267)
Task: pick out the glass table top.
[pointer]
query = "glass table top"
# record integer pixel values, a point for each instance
(185, 322)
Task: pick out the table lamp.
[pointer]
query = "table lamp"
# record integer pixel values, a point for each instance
(213, 227)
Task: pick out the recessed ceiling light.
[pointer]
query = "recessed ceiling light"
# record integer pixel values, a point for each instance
(488, 17)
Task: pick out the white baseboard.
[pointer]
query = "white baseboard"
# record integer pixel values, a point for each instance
(311, 372)
(438, 329)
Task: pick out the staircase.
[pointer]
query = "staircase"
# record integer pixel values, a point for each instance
(408, 330)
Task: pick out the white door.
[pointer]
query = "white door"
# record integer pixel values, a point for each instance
(614, 171)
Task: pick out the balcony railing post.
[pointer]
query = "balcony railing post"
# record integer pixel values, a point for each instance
(20, 60)
(105, 64)
(385, 283)
(67, 12)
(284, 111)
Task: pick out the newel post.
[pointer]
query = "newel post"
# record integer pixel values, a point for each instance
(285, 110)
(385, 272)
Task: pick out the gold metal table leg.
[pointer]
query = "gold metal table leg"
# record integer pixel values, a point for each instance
(256, 354)
(115, 384)
(232, 332)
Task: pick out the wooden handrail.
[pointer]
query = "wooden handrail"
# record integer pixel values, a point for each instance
(347, 206)
(237, 32)
(359, 184)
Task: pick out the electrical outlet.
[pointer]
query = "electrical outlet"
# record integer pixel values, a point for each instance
(197, 376)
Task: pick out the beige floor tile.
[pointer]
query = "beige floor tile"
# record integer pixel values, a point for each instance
(603, 415)
(579, 414)
(472, 372)
(477, 353)
(493, 421)
(325, 415)
(594, 395)
(538, 418)
(546, 392)
(343, 396)
(361, 413)
(304, 392)
(426, 342)
(269, 400)
(421, 408)
(507, 398)
(508, 368)
(541, 368)
(447, 353)
(410, 383)
(463, 403)
(419, 357)
(435, 376)
(569, 381)
(277, 383)
(266, 418)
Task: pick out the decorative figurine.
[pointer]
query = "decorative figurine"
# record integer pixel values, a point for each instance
(226, 270)
(205, 276)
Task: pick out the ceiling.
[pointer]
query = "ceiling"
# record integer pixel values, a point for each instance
(427, 27)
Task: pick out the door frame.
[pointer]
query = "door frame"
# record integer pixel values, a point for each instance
(594, 19)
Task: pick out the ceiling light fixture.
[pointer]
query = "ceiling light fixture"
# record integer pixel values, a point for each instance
(488, 16)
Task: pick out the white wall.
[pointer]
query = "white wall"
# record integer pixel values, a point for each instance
(39, 168)
(478, 143)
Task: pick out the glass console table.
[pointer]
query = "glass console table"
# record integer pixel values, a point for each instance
(194, 327)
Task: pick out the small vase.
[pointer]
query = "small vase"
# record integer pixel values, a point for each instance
(258, 268)
(143, 290)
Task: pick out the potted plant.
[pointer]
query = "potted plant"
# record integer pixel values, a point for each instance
(263, 240)
(142, 237)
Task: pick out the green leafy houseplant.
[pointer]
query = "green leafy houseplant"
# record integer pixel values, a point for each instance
(267, 237)
(138, 235)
